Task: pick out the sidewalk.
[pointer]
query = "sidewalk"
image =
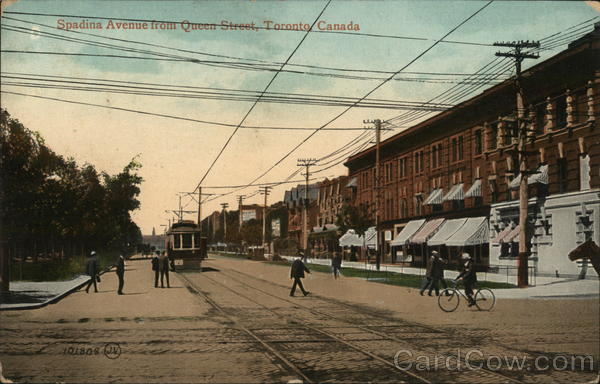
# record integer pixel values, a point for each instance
(31, 295)
(37, 294)
(546, 287)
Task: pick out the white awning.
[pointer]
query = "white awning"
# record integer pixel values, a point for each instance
(475, 231)
(352, 183)
(456, 193)
(410, 229)
(426, 231)
(502, 235)
(514, 183)
(449, 228)
(435, 197)
(351, 239)
(475, 190)
(371, 237)
(540, 177)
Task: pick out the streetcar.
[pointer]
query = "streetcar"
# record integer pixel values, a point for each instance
(186, 248)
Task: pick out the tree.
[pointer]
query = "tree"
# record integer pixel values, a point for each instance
(359, 218)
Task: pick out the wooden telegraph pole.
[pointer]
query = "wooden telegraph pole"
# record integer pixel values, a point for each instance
(377, 188)
(225, 206)
(307, 163)
(518, 55)
(265, 191)
(240, 205)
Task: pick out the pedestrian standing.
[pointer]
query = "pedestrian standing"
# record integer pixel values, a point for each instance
(155, 268)
(336, 264)
(428, 280)
(92, 271)
(163, 267)
(438, 274)
(297, 273)
(121, 273)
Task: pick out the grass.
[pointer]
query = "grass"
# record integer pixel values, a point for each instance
(58, 270)
(391, 278)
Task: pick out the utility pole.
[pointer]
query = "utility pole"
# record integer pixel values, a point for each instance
(225, 206)
(307, 163)
(200, 209)
(518, 55)
(265, 191)
(240, 205)
(377, 188)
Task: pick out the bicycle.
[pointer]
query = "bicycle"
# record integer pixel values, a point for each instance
(449, 299)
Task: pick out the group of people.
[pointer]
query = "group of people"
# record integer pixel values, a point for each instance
(434, 276)
(160, 266)
(93, 272)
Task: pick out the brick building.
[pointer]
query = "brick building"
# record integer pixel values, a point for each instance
(451, 181)
(331, 197)
(294, 199)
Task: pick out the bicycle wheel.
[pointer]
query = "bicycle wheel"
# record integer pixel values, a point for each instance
(485, 299)
(448, 300)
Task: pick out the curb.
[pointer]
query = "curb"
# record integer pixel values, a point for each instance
(58, 297)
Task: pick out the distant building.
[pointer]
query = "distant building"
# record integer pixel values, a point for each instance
(295, 200)
(154, 240)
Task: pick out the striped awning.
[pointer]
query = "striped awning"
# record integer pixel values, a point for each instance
(540, 177)
(410, 229)
(514, 183)
(473, 232)
(426, 231)
(448, 228)
(371, 237)
(502, 235)
(475, 190)
(512, 236)
(456, 193)
(435, 197)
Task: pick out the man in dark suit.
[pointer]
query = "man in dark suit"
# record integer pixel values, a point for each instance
(336, 264)
(469, 276)
(155, 268)
(428, 280)
(92, 271)
(121, 273)
(297, 273)
(163, 267)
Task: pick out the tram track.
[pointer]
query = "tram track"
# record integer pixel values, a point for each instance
(393, 375)
(293, 368)
(467, 376)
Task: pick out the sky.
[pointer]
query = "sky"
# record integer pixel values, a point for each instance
(176, 154)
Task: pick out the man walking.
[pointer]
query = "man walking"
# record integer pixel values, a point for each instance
(428, 281)
(297, 273)
(163, 266)
(121, 273)
(336, 264)
(92, 271)
(437, 273)
(155, 268)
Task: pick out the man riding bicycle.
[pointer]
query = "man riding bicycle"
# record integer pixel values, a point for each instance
(468, 276)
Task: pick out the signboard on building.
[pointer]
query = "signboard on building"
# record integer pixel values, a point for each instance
(275, 228)
(248, 215)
